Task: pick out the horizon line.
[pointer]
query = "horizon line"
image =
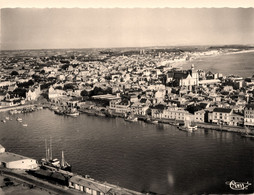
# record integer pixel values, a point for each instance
(190, 45)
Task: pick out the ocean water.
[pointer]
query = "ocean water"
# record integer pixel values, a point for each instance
(241, 64)
(139, 156)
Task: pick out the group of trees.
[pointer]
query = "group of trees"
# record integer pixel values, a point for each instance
(26, 84)
(96, 91)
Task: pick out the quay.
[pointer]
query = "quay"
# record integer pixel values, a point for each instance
(19, 107)
(210, 126)
(76, 184)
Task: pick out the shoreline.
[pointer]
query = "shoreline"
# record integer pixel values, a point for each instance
(225, 53)
(201, 57)
(209, 126)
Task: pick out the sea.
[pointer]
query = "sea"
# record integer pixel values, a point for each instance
(144, 157)
(241, 64)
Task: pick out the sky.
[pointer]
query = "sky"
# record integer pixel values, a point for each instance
(51, 28)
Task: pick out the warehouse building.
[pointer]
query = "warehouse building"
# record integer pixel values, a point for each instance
(16, 161)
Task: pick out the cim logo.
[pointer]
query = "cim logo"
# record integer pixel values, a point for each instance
(238, 185)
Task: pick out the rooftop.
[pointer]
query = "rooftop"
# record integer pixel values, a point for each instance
(248, 106)
(89, 183)
(9, 157)
(224, 110)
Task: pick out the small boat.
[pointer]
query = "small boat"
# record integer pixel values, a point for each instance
(3, 121)
(13, 112)
(149, 120)
(154, 121)
(7, 118)
(72, 112)
(131, 119)
(59, 112)
(174, 123)
(247, 133)
(25, 125)
(188, 126)
(19, 119)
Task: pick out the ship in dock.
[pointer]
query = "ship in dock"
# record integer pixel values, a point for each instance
(50, 162)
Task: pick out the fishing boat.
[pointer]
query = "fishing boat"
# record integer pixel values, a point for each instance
(174, 123)
(149, 120)
(189, 126)
(48, 161)
(131, 119)
(19, 119)
(154, 121)
(59, 112)
(72, 112)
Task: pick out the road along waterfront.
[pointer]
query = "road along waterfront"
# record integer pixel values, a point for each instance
(138, 156)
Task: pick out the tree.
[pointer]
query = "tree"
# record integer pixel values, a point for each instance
(84, 93)
(21, 92)
(59, 87)
(14, 73)
(65, 66)
(68, 86)
(26, 84)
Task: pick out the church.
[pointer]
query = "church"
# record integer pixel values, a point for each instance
(184, 78)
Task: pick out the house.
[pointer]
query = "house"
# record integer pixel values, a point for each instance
(164, 112)
(249, 115)
(139, 109)
(90, 186)
(55, 93)
(120, 106)
(33, 93)
(199, 116)
(221, 115)
(2, 95)
(236, 119)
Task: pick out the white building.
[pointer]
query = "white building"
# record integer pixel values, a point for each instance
(16, 161)
(88, 186)
(163, 112)
(249, 115)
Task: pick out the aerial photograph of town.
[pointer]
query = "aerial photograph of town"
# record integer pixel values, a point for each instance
(127, 101)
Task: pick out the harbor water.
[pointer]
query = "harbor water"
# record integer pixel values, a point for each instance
(136, 155)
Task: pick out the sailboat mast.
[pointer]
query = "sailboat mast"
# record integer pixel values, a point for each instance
(50, 149)
(46, 148)
(62, 160)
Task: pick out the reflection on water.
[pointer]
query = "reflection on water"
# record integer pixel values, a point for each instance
(140, 156)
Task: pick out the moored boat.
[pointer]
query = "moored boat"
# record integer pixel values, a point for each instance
(149, 120)
(247, 133)
(72, 112)
(131, 119)
(19, 119)
(188, 125)
(59, 112)
(48, 161)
